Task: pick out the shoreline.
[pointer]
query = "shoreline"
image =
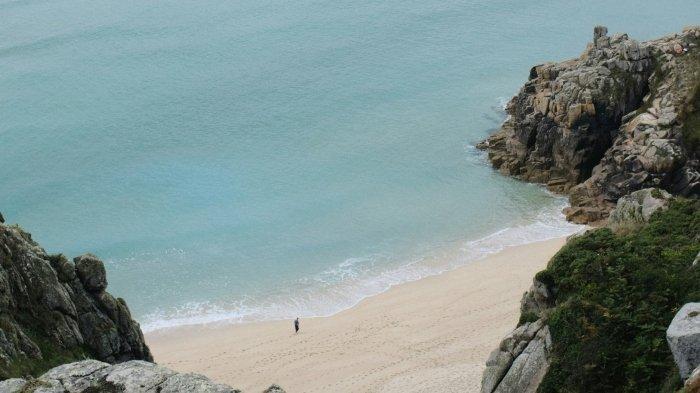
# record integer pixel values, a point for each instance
(432, 333)
(549, 225)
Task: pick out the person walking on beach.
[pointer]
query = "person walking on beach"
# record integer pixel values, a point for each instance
(296, 325)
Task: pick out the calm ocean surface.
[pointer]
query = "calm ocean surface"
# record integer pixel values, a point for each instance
(246, 160)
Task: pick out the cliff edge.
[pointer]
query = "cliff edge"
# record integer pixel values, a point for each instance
(621, 117)
(54, 311)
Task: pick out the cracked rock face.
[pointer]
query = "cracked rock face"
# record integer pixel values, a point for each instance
(605, 124)
(49, 306)
(521, 361)
(133, 376)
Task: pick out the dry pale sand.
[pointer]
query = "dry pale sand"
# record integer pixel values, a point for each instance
(431, 335)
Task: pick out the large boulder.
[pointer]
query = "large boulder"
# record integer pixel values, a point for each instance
(92, 272)
(636, 208)
(51, 306)
(683, 336)
(89, 376)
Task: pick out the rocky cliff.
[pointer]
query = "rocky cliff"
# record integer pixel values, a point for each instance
(523, 358)
(595, 319)
(623, 116)
(618, 130)
(53, 310)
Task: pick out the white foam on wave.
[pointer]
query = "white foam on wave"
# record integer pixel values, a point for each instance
(346, 284)
(502, 103)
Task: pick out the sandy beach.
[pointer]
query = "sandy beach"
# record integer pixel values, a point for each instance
(430, 335)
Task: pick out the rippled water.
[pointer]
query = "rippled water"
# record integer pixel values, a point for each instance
(246, 160)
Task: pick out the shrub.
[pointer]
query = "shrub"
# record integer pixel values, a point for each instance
(615, 297)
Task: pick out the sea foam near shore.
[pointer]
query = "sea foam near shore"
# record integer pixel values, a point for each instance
(349, 282)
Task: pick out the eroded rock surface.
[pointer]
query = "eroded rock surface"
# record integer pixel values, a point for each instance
(608, 123)
(53, 310)
(135, 376)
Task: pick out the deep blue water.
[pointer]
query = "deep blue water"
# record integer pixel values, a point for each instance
(241, 160)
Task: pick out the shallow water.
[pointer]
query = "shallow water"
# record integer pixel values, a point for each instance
(246, 160)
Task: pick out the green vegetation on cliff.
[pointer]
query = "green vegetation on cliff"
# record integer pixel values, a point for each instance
(615, 296)
(52, 355)
(691, 123)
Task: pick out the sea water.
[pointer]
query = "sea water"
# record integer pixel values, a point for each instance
(261, 159)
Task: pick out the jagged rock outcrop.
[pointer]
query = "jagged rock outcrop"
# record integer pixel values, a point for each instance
(134, 376)
(636, 208)
(522, 358)
(53, 310)
(618, 130)
(683, 336)
(613, 121)
(520, 362)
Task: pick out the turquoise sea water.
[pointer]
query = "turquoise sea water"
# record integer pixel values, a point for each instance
(247, 160)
